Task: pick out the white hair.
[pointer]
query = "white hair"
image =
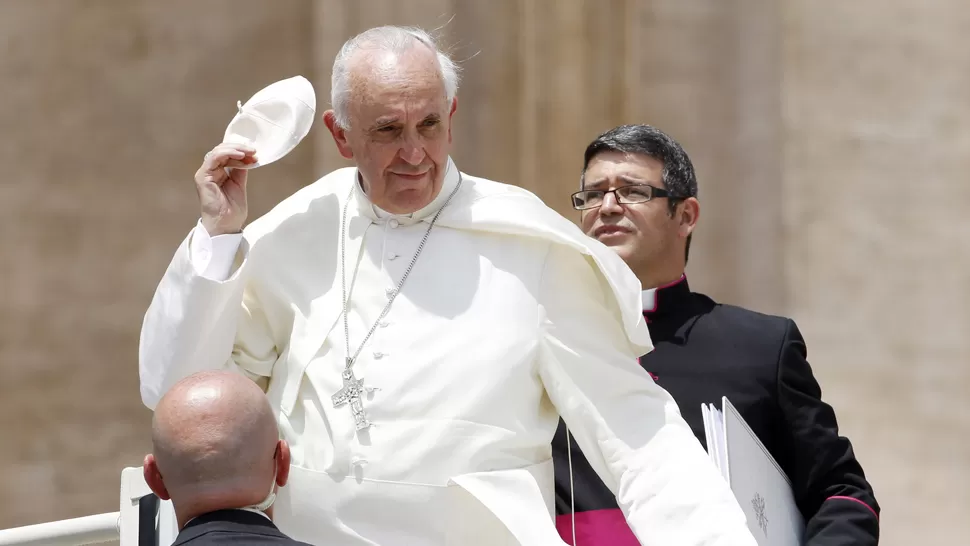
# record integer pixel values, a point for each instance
(393, 39)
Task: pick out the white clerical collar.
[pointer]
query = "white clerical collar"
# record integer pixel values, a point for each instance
(649, 299)
(378, 215)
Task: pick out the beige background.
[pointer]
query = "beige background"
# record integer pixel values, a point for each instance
(832, 141)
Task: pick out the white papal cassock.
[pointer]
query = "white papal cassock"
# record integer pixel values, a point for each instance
(510, 317)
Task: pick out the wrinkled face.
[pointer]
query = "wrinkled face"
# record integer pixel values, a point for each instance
(400, 128)
(645, 235)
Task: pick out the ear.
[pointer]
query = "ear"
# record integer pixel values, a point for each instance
(451, 114)
(154, 478)
(690, 212)
(282, 463)
(339, 134)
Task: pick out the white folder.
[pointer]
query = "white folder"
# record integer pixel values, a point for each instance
(759, 484)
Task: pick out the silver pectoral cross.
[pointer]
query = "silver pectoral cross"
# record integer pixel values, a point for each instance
(352, 392)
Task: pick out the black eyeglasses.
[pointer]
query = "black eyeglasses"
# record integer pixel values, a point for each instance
(627, 195)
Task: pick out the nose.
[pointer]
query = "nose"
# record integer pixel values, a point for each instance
(610, 205)
(412, 150)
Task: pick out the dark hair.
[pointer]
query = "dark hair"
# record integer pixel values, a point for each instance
(678, 173)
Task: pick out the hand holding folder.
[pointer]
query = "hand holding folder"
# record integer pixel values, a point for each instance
(759, 484)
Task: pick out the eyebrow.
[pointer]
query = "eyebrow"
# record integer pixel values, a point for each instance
(623, 178)
(391, 120)
(382, 122)
(632, 179)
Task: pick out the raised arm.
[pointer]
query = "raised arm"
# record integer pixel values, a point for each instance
(201, 316)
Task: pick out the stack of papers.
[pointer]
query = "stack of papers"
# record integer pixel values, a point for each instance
(762, 489)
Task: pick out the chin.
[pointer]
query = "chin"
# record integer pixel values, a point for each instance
(409, 200)
(622, 249)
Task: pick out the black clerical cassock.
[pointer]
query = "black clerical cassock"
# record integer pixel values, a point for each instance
(705, 350)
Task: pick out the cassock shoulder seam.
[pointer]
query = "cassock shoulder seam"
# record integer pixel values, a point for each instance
(751, 313)
(763, 325)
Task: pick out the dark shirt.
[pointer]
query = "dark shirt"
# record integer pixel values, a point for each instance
(240, 527)
(703, 351)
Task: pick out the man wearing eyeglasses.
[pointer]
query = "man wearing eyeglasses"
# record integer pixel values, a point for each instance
(639, 196)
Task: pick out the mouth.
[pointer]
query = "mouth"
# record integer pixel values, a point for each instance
(605, 232)
(415, 176)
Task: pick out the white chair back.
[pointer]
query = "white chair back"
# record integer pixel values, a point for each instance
(133, 488)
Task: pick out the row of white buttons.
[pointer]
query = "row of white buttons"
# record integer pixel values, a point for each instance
(392, 223)
(358, 460)
(384, 324)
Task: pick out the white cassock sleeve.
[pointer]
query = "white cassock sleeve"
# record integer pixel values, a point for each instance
(628, 427)
(212, 256)
(202, 318)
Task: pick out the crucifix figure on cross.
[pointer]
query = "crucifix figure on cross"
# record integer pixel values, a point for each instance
(352, 392)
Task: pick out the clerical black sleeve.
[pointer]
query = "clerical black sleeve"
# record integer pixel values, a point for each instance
(829, 483)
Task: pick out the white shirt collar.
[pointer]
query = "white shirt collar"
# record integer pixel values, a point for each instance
(649, 299)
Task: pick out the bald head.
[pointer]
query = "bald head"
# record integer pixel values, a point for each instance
(417, 63)
(215, 441)
(378, 77)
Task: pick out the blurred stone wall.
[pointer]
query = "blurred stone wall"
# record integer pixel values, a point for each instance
(107, 109)
(830, 138)
(876, 114)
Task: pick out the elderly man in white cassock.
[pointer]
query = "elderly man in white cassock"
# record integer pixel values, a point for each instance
(419, 331)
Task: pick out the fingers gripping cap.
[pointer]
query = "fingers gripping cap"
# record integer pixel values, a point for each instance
(275, 119)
